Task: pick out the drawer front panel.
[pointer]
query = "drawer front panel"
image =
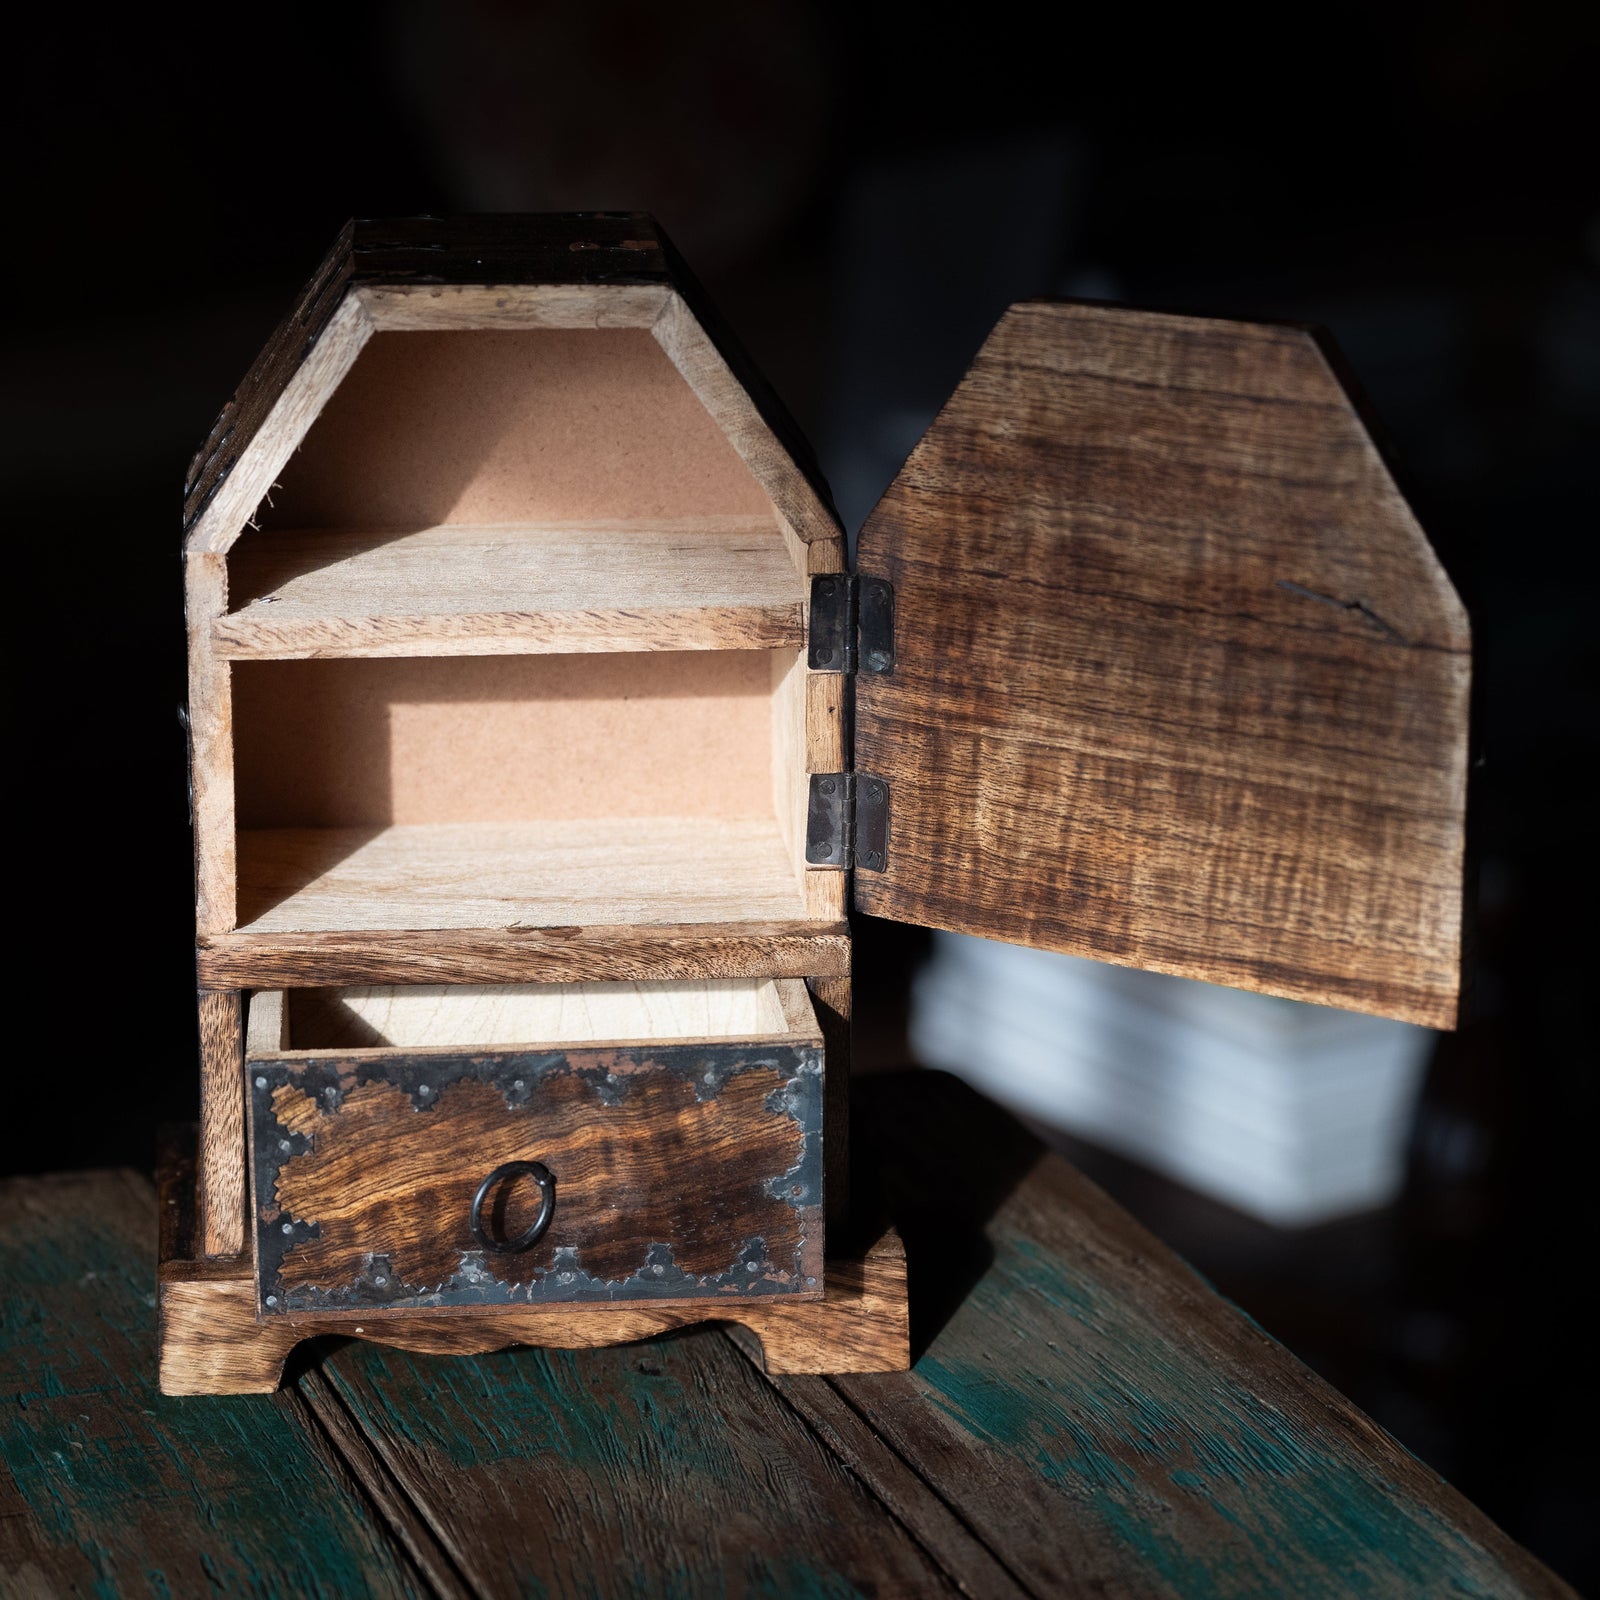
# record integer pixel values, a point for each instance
(680, 1172)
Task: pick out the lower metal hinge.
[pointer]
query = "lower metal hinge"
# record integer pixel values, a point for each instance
(847, 821)
(852, 624)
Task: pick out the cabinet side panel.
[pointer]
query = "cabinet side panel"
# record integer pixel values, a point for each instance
(210, 744)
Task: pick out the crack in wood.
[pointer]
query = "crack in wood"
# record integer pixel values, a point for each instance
(1360, 607)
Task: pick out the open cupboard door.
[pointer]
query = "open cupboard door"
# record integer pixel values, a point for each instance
(1177, 680)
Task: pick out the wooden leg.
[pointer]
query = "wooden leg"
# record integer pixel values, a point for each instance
(211, 1342)
(861, 1325)
(221, 1198)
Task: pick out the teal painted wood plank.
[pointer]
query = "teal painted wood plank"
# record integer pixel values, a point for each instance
(1108, 1423)
(111, 1489)
(670, 1468)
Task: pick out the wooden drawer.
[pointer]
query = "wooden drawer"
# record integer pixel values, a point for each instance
(679, 1126)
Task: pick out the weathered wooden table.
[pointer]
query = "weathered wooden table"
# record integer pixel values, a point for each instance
(1085, 1416)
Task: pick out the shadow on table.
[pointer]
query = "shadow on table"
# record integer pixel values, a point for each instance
(937, 1160)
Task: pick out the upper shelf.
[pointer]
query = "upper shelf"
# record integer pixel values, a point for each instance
(702, 583)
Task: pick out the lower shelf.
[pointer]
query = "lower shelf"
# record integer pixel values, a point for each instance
(212, 1341)
(628, 870)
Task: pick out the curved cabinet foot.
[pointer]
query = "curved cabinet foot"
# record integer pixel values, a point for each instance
(213, 1341)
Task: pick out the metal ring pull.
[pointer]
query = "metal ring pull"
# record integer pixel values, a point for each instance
(542, 1176)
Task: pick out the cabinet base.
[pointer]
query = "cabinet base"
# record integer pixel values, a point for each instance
(213, 1342)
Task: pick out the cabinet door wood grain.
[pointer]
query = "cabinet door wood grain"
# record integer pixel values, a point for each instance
(1178, 681)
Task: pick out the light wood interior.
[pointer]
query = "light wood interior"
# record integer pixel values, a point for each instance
(467, 1016)
(501, 492)
(354, 744)
(546, 425)
(711, 582)
(516, 640)
(450, 792)
(607, 872)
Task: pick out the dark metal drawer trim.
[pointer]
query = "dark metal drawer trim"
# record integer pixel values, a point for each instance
(287, 1094)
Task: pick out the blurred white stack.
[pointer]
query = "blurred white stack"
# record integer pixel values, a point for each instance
(1294, 1113)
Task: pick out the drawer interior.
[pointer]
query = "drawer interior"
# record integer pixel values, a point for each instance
(490, 1016)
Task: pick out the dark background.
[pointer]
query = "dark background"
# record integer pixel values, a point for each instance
(863, 188)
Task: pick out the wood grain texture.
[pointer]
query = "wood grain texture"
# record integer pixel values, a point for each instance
(705, 368)
(1179, 683)
(397, 252)
(441, 307)
(682, 1172)
(107, 1487)
(223, 1203)
(589, 872)
(849, 1434)
(1106, 1421)
(829, 699)
(712, 583)
(664, 1470)
(209, 720)
(1086, 1416)
(789, 785)
(233, 475)
(267, 1020)
(401, 1515)
(808, 735)
(556, 954)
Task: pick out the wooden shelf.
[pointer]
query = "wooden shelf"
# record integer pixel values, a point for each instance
(594, 872)
(707, 583)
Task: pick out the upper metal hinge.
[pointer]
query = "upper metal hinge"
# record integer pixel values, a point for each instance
(852, 624)
(847, 821)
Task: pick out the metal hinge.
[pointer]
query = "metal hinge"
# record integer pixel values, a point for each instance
(847, 821)
(852, 624)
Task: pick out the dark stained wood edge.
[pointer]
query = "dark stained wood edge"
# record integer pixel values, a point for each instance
(241, 418)
(525, 955)
(175, 1158)
(326, 1413)
(937, 1526)
(576, 247)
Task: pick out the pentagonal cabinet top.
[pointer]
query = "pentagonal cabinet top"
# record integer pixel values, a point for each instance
(595, 420)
